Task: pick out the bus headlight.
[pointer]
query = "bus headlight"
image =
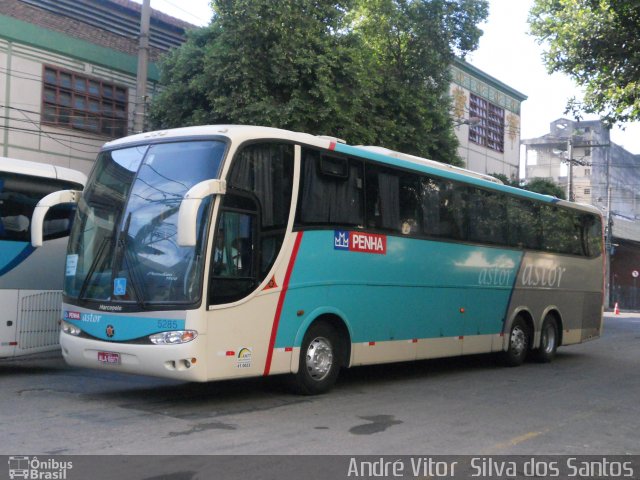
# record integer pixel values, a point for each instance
(173, 338)
(70, 329)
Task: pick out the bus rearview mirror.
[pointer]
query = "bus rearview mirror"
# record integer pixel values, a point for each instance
(43, 206)
(188, 213)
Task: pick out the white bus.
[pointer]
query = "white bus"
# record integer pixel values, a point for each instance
(30, 279)
(219, 252)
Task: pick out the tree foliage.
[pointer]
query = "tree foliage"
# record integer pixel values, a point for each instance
(595, 42)
(368, 71)
(538, 185)
(546, 187)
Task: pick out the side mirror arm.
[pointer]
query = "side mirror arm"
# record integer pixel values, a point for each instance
(188, 213)
(43, 206)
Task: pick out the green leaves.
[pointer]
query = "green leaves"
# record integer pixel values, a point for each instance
(597, 43)
(370, 71)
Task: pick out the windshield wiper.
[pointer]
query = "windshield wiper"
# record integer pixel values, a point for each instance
(123, 254)
(94, 265)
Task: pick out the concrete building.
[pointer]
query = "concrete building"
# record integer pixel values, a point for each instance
(580, 157)
(487, 117)
(68, 75)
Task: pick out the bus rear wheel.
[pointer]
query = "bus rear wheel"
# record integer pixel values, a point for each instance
(518, 346)
(319, 360)
(548, 340)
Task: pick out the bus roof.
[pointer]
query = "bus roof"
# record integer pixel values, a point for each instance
(45, 170)
(240, 133)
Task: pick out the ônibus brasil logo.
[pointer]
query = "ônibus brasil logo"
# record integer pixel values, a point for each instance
(35, 469)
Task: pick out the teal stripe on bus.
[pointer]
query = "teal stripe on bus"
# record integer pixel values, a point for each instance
(416, 289)
(123, 327)
(13, 254)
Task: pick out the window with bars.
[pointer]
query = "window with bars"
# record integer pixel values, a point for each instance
(73, 100)
(489, 132)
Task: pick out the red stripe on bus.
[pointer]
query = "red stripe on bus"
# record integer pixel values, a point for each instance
(283, 293)
(332, 146)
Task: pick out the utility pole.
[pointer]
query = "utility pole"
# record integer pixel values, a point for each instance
(143, 61)
(570, 195)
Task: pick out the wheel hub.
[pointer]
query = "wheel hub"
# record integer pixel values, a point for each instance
(549, 338)
(518, 341)
(319, 358)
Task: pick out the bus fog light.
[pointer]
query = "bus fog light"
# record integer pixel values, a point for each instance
(70, 329)
(173, 338)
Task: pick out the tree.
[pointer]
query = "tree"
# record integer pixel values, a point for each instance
(262, 63)
(538, 185)
(595, 42)
(410, 46)
(371, 72)
(545, 187)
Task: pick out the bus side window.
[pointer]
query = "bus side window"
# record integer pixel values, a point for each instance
(331, 191)
(525, 226)
(487, 217)
(15, 216)
(233, 260)
(19, 195)
(592, 230)
(383, 199)
(453, 210)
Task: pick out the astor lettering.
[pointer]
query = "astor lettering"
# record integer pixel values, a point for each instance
(533, 276)
(495, 276)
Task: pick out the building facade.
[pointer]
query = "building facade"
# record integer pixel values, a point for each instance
(487, 121)
(68, 75)
(580, 157)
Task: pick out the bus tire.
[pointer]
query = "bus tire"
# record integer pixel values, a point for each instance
(319, 360)
(548, 340)
(518, 346)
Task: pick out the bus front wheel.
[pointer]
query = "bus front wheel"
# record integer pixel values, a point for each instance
(319, 360)
(518, 346)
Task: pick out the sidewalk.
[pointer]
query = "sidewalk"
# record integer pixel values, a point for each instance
(622, 315)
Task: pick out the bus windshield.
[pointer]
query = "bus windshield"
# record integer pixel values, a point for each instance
(123, 245)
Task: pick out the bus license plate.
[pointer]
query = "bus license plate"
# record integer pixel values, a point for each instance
(109, 357)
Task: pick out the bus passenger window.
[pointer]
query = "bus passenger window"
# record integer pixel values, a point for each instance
(487, 217)
(330, 192)
(443, 206)
(383, 199)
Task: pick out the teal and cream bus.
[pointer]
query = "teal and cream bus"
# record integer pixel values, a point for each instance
(218, 252)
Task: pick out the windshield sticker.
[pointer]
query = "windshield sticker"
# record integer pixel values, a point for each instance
(360, 242)
(244, 357)
(120, 286)
(71, 265)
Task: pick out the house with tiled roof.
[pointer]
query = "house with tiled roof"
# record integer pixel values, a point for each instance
(68, 75)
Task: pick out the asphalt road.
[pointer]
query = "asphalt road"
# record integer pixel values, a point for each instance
(586, 402)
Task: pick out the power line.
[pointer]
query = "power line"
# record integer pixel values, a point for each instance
(195, 17)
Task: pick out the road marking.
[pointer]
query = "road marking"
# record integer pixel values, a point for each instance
(517, 440)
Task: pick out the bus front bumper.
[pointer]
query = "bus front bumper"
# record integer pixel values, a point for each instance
(178, 362)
